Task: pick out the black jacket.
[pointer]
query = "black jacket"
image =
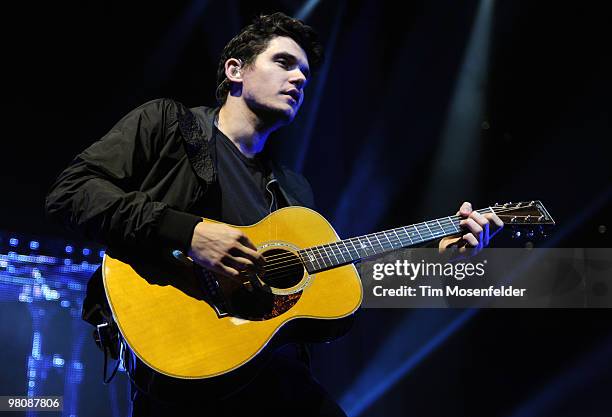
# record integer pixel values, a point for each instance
(146, 184)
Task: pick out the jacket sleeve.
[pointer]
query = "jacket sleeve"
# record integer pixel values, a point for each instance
(98, 195)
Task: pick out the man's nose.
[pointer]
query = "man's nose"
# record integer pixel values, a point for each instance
(298, 79)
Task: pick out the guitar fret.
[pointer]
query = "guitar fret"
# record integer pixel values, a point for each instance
(441, 228)
(388, 240)
(448, 226)
(407, 234)
(318, 248)
(381, 246)
(348, 252)
(364, 247)
(311, 258)
(370, 242)
(453, 223)
(316, 258)
(430, 232)
(337, 260)
(354, 247)
(420, 236)
(398, 238)
(341, 253)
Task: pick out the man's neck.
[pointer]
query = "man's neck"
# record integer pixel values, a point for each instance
(243, 128)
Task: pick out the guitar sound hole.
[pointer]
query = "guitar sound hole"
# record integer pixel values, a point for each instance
(283, 269)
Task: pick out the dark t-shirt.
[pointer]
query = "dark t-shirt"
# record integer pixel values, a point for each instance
(247, 191)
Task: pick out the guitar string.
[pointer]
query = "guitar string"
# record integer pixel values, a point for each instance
(445, 223)
(290, 260)
(285, 272)
(276, 274)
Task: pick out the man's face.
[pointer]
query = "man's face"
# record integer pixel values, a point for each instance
(273, 85)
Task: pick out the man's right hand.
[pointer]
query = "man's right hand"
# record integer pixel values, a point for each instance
(223, 250)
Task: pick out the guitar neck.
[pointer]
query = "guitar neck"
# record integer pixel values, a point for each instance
(343, 252)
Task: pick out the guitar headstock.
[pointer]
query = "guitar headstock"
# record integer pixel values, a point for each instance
(531, 213)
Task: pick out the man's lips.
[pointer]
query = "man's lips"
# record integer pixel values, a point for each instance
(294, 94)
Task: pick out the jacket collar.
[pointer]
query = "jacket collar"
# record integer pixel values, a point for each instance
(197, 127)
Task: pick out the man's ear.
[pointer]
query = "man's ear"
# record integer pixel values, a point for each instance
(233, 68)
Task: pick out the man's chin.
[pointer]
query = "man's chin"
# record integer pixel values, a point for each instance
(276, 116)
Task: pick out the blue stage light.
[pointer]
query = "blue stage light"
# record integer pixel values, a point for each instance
(69, 249)
(86, 251)
(401, 354)
(306, 10)
(36, 345)
(101, 253)
(13, 241)
(34, 245)
(75, 286)
(58, 362)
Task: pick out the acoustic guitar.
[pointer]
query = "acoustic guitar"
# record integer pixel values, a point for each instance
(184, 322)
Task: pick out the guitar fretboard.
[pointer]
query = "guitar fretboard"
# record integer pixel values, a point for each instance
(343, 252)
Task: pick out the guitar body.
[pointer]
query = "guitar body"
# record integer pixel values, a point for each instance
(182, 322)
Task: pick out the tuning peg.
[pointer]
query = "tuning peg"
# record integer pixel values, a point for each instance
(541, 231)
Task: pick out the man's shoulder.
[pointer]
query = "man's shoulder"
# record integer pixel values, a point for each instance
(170, 106)
(162, 104)
(170, 112)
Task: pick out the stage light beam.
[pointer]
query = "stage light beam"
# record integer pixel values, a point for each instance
(455, 168)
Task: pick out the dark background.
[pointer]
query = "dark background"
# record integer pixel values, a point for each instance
(375, 126)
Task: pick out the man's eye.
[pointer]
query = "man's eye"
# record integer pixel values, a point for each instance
(283, 62)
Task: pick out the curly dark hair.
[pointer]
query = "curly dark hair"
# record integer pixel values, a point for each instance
(254, 39)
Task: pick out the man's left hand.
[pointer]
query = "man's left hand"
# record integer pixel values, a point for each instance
(480, 229)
